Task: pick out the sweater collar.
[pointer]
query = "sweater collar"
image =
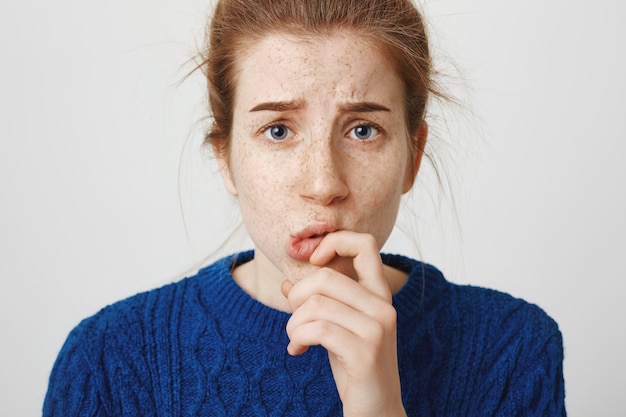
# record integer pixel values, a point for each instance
(239, 311)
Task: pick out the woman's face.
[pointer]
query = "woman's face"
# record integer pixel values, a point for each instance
(319, 144)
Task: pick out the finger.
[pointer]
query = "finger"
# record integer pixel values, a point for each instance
(334, 338)
(334, 285)
(354, 351)
(325, 312)
(364, 251)
(322, 308)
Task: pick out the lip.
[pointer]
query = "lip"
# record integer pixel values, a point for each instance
(302, 244)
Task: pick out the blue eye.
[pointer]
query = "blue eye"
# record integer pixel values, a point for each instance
(277, 132)
(363, 132)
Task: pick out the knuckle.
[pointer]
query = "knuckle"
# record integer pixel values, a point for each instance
(383, 323)
(320, 329)
(389, 315)
(325, 275)
(316, 301)
(375, 332)
(384, 312)
(324, 278)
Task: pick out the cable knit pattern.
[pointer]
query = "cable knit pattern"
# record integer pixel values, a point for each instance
(203, 347)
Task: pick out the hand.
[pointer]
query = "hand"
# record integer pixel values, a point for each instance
(354, 320)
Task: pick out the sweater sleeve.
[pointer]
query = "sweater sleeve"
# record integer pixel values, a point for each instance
(522, 366)
(537, 390)
(74, 387)
(518, 358)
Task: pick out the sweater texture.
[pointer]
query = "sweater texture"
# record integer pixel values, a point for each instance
(203, 347)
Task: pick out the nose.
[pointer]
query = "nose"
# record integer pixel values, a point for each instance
(321, 178)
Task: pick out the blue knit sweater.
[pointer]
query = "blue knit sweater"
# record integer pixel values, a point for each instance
(203, 347)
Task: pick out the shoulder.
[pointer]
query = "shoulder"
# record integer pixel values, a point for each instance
(106, 350)
(504, 338)
(507, 326)
(515, 348)
(471, 314)
(501, 316)
(499, 353)
(127, 320)
(145, 318)
(109, 359)
(125, 324)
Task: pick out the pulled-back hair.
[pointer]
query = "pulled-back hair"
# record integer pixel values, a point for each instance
(394, 25)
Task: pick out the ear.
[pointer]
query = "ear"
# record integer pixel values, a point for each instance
(420, 140)
(223, 163)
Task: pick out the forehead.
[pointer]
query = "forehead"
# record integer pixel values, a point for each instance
(341, 65)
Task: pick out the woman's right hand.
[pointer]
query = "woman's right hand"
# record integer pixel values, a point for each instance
(354, 320)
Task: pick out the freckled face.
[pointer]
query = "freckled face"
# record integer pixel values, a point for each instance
(318, 144)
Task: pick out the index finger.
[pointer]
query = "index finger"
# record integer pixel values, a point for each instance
(363, 249)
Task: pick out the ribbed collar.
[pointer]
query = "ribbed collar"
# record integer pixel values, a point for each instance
(220, 293)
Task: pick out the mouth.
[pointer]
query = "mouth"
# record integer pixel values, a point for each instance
(302, 244)
(319, 235)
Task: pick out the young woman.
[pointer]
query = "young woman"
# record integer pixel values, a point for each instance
(319, 128)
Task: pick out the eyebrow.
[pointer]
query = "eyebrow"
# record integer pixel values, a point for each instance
(363, 107)
(278, 106)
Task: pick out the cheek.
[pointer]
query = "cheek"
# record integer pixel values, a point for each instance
(260, 187)
(383, 176)
(378, 190)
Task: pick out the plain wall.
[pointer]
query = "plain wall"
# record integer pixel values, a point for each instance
(94, 127)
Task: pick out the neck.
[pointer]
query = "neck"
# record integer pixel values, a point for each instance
(261, 280)
(261, 283)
